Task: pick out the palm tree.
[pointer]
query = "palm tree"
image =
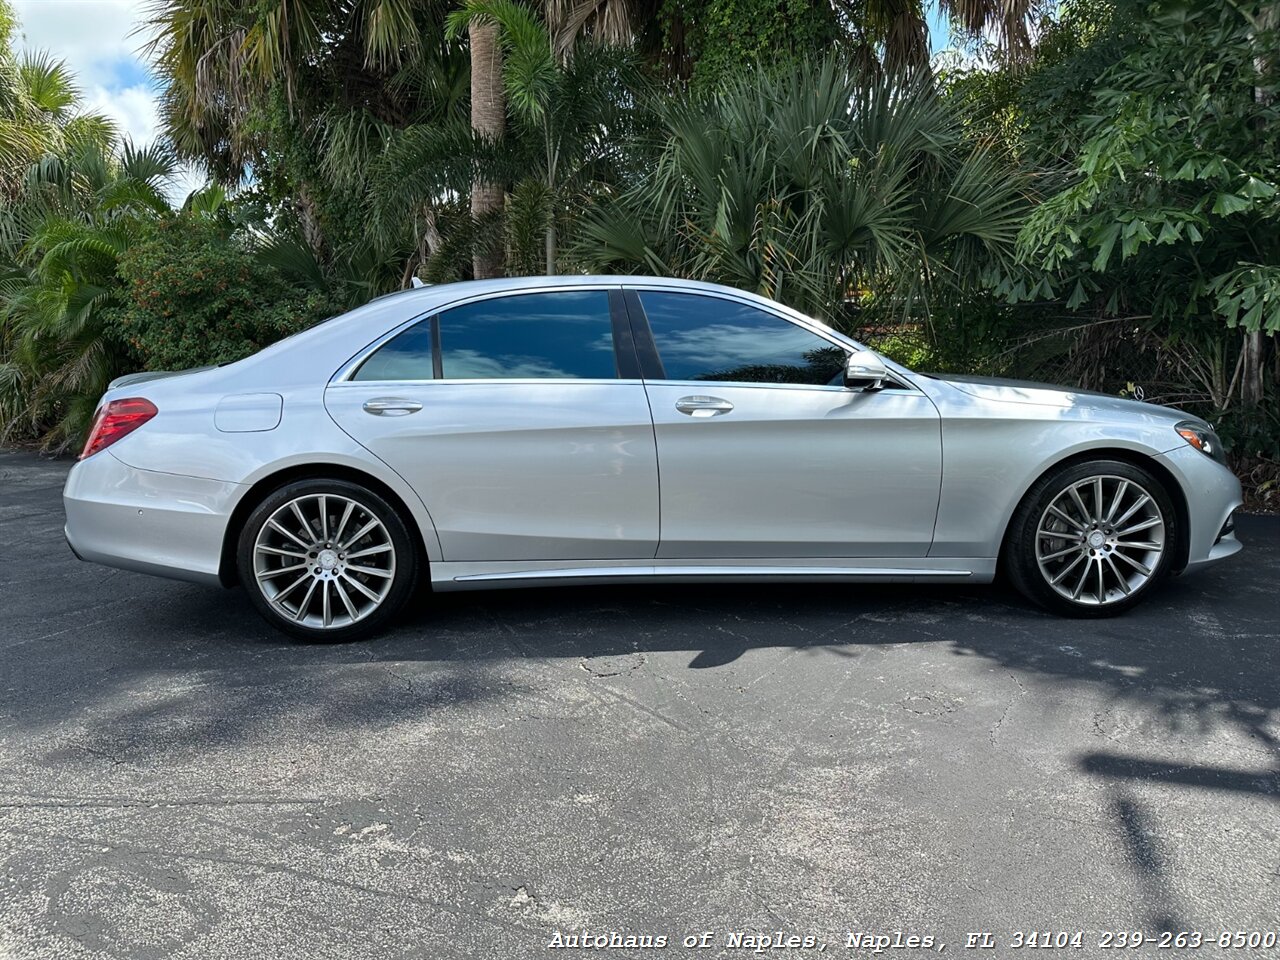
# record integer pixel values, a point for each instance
(68, 195)
(719, 38)
(306, 93)
(78, 214)
(810, 183)
(489, 121)
(41, 110)
(607, 20)
(572, 107)
(899, 28)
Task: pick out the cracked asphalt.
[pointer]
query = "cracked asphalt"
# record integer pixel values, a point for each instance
(178, 781)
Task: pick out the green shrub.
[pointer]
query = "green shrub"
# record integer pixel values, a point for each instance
(196, 297)
(908, 345)
(971, 335)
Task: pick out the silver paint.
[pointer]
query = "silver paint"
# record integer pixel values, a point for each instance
(514, 482)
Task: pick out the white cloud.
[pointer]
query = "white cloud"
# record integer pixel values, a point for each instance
(95, 37)
(101, 43)
(133, 109)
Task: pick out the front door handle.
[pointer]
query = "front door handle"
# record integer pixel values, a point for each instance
(703, 406)
(391, 407)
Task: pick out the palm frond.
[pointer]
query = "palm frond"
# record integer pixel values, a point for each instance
(48, 83)
(529, 74)
(390, 31)
(801, 182)
(206, 202)
(154, 163)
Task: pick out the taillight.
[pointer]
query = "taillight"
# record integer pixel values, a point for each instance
(117, 419)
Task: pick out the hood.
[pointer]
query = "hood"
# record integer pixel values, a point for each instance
(1044, 394)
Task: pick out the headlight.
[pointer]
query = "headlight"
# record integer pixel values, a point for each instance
(1202, 437)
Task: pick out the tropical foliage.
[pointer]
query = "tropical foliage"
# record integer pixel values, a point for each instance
(1153, 132)
(72, 200)
(1173, 206)
(812, 185)
(307, 96)
(79, 211)
(571, 116)
(1085, 191)
(194, 294)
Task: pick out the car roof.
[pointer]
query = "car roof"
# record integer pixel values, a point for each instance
(332, 343)
(463, 289)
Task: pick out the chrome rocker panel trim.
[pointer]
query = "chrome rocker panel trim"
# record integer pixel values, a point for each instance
(486, 576)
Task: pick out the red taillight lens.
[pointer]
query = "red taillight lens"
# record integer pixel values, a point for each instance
(117, 419)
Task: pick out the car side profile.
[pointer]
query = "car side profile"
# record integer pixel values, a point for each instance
(566, 430)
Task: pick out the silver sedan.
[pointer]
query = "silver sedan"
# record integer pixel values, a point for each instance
(611, 429)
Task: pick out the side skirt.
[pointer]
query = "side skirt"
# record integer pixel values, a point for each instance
(530, 573)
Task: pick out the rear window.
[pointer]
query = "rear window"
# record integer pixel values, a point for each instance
(406, 356)
(561, 335)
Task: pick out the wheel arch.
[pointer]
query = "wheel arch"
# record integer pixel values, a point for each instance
(265, 486)
(1148, 462)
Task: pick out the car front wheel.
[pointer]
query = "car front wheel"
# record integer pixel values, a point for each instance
(1091, 539)
(327, 561)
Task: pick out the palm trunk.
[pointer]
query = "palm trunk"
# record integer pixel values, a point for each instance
(552, 158)
(309, 222)
(489, 120)
(1253, 361)
(428, 244)
(1254, 351)
(431, 239)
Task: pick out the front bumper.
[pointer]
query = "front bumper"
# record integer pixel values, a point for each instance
(143, 520)
(1213, 495)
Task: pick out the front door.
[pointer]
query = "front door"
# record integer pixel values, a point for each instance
(510, 419)
(763, 453)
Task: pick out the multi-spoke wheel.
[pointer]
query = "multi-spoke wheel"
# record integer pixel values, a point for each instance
(1091, 538)
(326, 560)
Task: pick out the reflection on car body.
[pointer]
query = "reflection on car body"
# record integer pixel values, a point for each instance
(627, 429)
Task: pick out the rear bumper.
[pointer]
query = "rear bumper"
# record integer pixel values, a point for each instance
(1213, 495)
(143, 520)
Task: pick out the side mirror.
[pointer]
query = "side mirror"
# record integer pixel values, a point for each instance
(864, 371)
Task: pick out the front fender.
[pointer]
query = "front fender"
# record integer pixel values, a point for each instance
(993, 452)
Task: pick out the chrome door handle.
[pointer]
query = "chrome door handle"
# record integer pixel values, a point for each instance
(391, 407)
(703, 406)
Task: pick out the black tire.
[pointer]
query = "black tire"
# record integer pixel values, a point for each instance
(1031, 575)
(394, 550)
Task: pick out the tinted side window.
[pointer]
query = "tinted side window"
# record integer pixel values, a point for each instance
(562, 336)
(707, 338)
(406, 356)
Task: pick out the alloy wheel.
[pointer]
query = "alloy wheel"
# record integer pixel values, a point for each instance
(1100, 540)
(324, 561)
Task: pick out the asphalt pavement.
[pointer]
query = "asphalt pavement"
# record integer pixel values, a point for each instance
(508, 771)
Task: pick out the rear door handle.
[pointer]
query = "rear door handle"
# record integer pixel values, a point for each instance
(703, 406)
(391, 407)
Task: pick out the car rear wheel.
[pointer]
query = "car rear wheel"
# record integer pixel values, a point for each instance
(327, 560)
(1091, 539)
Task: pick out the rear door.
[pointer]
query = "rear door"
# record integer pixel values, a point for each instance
(522, 423)
(762, 452)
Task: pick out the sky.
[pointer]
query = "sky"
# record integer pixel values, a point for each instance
(97, 39)
(101, 42)
(939, 32)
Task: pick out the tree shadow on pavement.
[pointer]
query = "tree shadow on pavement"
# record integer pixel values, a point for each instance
(108, 668)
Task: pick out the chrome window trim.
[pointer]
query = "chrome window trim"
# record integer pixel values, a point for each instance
(473, 381)
(690, 384)
(790, 316)
(743, 385)
(347, 371)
